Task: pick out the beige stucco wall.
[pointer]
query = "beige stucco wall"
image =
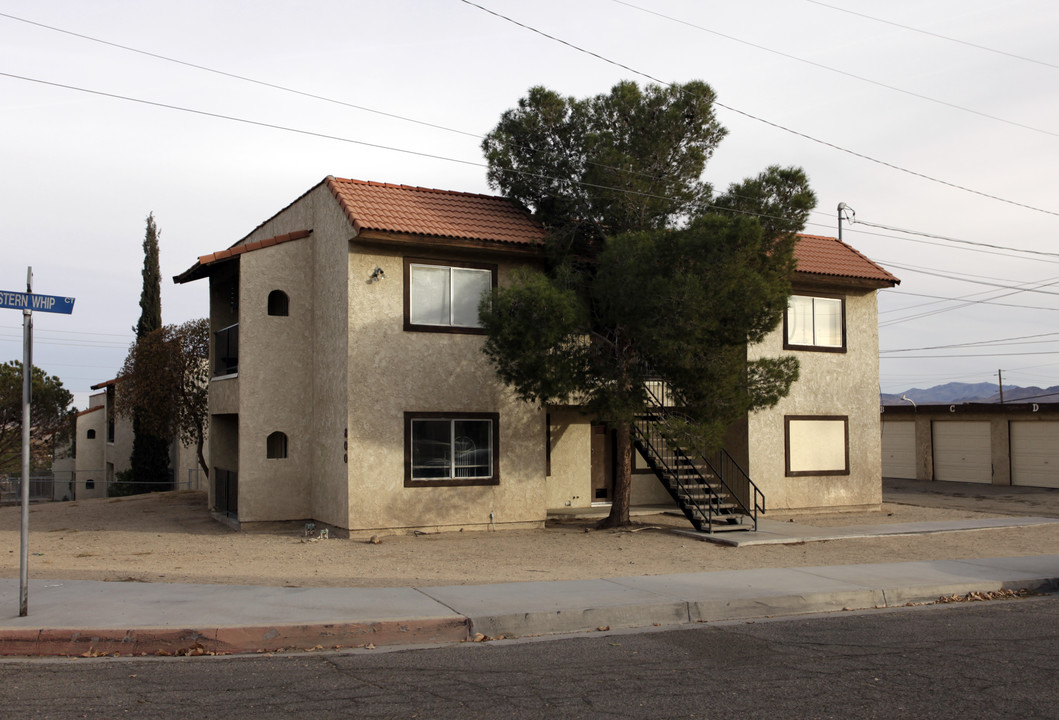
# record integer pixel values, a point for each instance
(275, 380)
(391, 372)
(839, 384)
(187, 473)
(119, 452)
(570, 482)
(647, 489)
(90, 464)
(334, 308)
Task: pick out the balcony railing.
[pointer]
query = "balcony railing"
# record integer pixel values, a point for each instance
(226, 350)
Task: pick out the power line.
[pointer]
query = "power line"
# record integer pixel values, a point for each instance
(942, 298)
(981, 343)
(286, 128)
(983, 279)
(247, 121)
(979, 355)
(965, 301)
(845, 73)
(70, 332)
(449, 129)
(998, 253)
(768, 122)
(954, 240)
(936, 35)
(243, 78)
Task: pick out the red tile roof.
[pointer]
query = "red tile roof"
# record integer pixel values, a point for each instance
(403, 209)
(90, 410)
(256, 245)
(434, 213)
(107, 383)
(818, 255)
(424, 212)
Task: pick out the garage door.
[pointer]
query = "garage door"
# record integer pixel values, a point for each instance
(961, 451)
(899, 449)
(1035, 453)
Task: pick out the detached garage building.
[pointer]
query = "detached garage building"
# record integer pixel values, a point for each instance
(1010, 444)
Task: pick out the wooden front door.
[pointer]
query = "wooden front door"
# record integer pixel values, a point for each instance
(602, 463)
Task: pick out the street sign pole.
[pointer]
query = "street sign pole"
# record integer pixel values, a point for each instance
(27, 395)
(27, 302)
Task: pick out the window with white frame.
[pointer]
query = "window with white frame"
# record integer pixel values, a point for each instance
(444, 297)
(451, 449)
(815, 322)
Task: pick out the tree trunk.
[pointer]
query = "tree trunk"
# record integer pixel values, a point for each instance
(202, 458)
(619, 506)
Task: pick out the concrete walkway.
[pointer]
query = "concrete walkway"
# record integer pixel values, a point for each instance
(774, 532)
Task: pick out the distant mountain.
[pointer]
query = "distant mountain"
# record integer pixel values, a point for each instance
(956, 393)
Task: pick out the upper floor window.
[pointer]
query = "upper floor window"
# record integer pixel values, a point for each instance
(91, 434)
(815, 322)
(444, 296)
(278, 303)
(276, 446)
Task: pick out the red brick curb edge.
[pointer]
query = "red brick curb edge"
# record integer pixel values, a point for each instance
(62, 642)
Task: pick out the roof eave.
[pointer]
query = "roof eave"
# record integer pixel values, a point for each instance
(844, 280)
(433, 241)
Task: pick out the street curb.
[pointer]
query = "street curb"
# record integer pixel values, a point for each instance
(705, 610)
(99, 642)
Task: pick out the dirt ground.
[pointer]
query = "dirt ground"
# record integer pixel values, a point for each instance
(170, 537)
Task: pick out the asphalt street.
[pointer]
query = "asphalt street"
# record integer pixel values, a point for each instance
(962, 660)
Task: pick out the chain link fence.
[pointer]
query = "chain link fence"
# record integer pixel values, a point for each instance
(60, 486)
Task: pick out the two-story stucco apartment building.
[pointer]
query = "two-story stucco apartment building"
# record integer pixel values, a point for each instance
(102, 449)
(350, 388)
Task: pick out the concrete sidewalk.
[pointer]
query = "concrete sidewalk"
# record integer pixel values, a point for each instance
(102, 618)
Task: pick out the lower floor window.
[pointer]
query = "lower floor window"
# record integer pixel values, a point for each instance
(816, 444)
(451, 449)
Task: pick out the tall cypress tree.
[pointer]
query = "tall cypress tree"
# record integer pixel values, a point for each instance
(151, 294)
(150, 454)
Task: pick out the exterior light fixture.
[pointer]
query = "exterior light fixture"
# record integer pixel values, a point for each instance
(376, 275)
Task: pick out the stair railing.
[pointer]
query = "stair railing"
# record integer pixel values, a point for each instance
(674, 467)
(732, 477)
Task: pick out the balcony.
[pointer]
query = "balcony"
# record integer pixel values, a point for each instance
(226, 351)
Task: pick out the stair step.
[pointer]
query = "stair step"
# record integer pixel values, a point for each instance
(724, 527)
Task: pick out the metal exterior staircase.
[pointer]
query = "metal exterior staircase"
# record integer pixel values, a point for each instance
(713, 492)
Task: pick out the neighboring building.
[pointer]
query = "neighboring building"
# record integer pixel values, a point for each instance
(349, 385)
(998, 444)
(102, 449)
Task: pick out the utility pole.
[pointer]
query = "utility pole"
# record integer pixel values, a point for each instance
(847, 213)
(1000, 375)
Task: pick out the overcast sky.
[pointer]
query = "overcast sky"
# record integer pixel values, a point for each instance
(940, 118)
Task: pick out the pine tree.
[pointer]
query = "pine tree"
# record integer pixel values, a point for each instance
(650, 276)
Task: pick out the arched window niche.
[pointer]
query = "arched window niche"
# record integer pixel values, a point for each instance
(276, 446)
(278, 303)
